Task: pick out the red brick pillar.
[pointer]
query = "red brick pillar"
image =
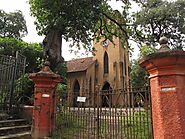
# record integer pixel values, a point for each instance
(44, 110)
(167, 81)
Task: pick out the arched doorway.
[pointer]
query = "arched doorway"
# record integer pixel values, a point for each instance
(76, 92)
(106, 95)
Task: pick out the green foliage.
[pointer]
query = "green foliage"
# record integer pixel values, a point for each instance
(138, 125)
(112, 23)
(33, 52)
(79, 20)
(103, 127)
(61, 89)
(138, 75)
(68, 125)
(12, 24)
(61, 69)
(146, 50)
(24, 90)
(73, 18)
(159, 18)
(3, 96)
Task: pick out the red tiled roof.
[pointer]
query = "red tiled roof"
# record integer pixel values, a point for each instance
(79, 64)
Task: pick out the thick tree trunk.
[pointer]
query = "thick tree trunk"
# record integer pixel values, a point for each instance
(53, 48)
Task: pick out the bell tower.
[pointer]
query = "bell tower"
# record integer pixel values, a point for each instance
(112, 63)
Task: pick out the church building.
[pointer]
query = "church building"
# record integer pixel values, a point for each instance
(107, 70)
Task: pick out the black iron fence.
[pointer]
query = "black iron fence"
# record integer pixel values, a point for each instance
(107, 114)
(11, 68)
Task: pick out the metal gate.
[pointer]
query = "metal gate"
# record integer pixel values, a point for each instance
(11, 68)
(126, 115)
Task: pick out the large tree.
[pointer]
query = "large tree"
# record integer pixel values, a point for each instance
(159, 18)
(12, 24)
(79, 20)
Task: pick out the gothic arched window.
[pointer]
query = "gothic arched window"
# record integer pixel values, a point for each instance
(106, 63)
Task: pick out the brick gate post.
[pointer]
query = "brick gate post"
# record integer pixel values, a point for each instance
(44, 110)
(167, 81)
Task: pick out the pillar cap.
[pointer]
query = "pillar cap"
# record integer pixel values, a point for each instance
(163, 41)
(161, 55)
(164, 51)
(46, 68)
(45, 73)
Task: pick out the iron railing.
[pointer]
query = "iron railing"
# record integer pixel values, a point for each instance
(107, 114)
(11, 68)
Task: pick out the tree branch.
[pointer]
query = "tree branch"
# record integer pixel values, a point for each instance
(118, 24)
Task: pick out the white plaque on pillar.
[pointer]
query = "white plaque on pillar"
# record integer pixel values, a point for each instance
(81, 99)
(168, 89)
(45, 95)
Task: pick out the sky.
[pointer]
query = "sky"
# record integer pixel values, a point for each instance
(23, 5)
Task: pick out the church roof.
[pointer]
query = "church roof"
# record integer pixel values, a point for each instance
(81, 64)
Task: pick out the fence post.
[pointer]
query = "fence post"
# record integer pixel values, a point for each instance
(167, 79)
(44, 110)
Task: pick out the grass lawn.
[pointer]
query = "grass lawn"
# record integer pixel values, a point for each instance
(137, 126)
(133, 126)
(68, 125)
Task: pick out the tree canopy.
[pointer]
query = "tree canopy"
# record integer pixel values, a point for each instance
(74, 19)
(12, 24)
(85, 20)
(159, 18)
(79, 20)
